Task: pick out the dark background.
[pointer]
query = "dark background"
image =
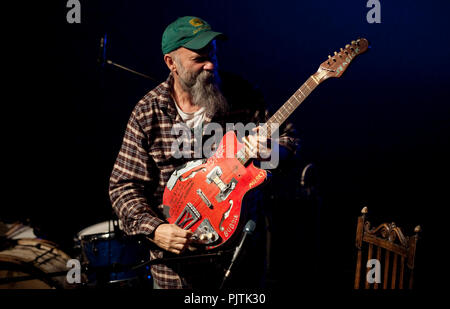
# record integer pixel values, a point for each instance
(378, 136)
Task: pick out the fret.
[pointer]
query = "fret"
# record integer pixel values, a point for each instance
(301, 92)
(291, 105)
(276, 117)
(306, 89)
(304, 92)
(280, 116)
(295, 97)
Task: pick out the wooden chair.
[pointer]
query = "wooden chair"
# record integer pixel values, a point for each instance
(384, 246)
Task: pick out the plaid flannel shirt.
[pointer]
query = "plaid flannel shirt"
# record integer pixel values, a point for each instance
(145, 163)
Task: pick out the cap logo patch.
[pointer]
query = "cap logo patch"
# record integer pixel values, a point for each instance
(196, 22)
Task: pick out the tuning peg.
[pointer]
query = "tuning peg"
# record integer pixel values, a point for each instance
(347, 46)
(335, 53)
(353, 42)
(358, 40)
(341, 49)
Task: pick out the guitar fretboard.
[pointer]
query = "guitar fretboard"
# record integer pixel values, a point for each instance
(280, 116)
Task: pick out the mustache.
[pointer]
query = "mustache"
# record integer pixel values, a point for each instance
(204, 78)
(190, 79)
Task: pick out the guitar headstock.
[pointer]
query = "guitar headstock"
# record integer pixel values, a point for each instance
(336, 65)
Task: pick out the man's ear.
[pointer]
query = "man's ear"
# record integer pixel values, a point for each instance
(170, 62)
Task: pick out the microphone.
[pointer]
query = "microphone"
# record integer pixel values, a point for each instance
(102, 51)
(248, 230)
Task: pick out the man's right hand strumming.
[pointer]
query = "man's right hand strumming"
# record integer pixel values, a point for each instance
(171, 237)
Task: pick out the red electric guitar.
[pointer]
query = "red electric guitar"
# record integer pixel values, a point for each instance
(206, 196)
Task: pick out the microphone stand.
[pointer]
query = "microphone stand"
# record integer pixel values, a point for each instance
(130, 70)
(102, 60)
(180, 258)
(248, 231)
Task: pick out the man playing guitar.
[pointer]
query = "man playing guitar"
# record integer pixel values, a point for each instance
(194, 95)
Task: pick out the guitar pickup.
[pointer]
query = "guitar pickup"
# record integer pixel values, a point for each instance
(225, 189)
(222, 196)
(188, 217)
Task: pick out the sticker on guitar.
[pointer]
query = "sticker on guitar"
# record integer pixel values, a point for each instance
(231, 226)
(262, 174)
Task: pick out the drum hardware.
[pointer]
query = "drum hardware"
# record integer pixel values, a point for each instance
(108, 255)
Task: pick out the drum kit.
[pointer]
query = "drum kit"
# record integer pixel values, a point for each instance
(106, 257)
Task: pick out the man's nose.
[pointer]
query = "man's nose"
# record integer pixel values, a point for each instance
(209, 66)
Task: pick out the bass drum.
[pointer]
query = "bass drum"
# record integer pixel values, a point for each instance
(29, 263)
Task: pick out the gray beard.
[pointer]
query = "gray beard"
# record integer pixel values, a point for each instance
(204, 90)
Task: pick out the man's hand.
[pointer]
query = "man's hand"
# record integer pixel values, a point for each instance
(258, 145)
(171, 237)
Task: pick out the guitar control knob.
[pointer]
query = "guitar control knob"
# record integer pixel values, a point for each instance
(203, 237)
(210, 236)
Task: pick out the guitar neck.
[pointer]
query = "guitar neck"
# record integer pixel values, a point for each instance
(290, 106)
(244, 155)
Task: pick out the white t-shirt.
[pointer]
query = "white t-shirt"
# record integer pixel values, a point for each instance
(192, 119)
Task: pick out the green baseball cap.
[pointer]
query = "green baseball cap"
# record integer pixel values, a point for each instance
(190, 32)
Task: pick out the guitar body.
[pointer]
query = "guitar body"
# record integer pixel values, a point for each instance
(206, 196)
